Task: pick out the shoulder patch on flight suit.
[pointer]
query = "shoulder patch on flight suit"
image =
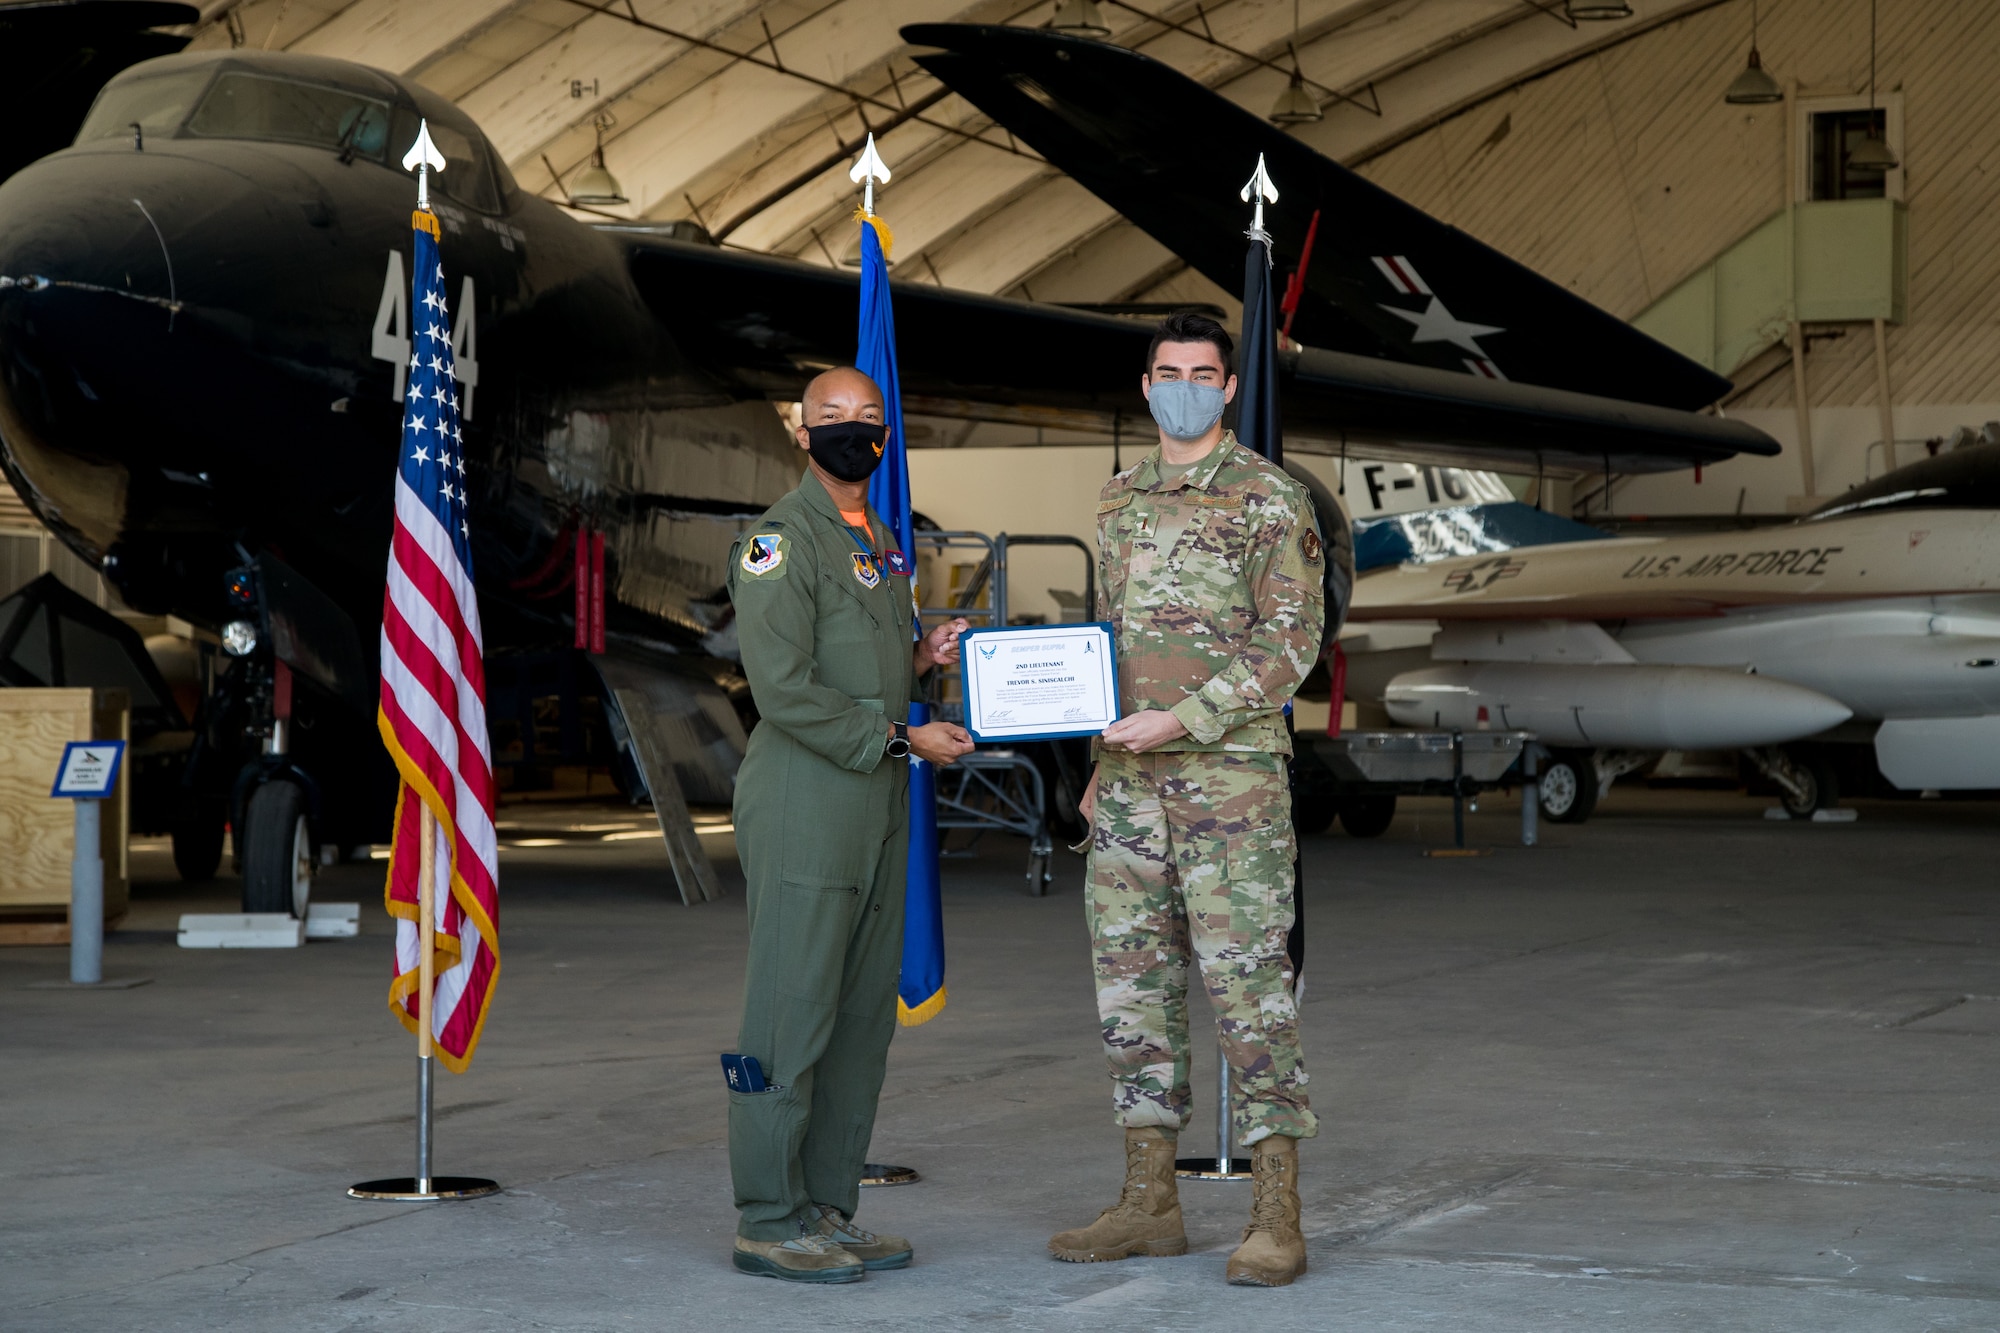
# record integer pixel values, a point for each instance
(865, 572)
(764, 556)
(1309, 546)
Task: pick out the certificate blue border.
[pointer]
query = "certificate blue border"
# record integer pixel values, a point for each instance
(89, 793)
(966, 641)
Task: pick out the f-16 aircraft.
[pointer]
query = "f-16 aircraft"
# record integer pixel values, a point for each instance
(204, 333)
(1874, 620)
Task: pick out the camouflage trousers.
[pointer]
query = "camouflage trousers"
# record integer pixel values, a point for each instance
(1192, 854)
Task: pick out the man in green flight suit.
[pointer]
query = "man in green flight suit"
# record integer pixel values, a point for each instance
(1209, 569)
(824, 617)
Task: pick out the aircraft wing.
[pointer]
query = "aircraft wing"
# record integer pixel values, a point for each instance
(1386, 281)
(760, 321)
(56, 54)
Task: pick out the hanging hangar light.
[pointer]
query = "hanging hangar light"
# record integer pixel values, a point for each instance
(1295, 105)
(1872, 154)
(1080, 18)
(595, 186)
(1596, 11)
(1753, 87)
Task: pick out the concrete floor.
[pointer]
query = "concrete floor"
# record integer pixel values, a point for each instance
(1679, 1067)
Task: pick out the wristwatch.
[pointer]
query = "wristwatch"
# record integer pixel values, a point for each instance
(898, 745)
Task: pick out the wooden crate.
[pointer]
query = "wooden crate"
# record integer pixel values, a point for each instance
(37, 830)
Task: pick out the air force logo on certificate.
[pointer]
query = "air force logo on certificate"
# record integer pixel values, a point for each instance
(1035, 682)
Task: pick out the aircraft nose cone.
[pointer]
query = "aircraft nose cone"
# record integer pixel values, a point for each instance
(96, 345)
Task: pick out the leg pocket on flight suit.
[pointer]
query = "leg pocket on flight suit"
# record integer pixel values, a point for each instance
(1260, 881)
(815, 923)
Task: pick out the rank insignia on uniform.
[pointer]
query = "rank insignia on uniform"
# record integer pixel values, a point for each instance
(1309, 544)
(899, 564)
(763, 553)
(865, 572)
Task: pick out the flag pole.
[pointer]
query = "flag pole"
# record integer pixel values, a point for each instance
(866, 172)
(423, 1187)
(426, 982)
(1256, 421)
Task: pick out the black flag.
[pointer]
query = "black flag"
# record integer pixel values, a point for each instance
(1259, 427)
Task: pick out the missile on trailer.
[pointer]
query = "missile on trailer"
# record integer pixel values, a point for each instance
(1624, 705)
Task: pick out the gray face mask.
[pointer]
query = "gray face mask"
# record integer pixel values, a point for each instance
(1184, 409)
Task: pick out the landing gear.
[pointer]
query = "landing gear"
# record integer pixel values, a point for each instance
(277, 849)
(1803, 776)
(1569, 786)
(1367, 816)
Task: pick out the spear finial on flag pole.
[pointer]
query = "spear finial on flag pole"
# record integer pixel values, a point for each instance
(443, 881)
(1260, 190)
(424, 158)
(868, 169)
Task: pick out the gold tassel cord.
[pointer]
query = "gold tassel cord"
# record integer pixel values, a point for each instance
(882, 232)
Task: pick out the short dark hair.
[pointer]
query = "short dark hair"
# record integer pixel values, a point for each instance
(1185, 326)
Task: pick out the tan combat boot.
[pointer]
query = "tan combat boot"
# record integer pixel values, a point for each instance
(1273, 1251)
(1147, 1217)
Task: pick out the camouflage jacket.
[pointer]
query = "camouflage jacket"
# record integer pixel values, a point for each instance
(1213, 586)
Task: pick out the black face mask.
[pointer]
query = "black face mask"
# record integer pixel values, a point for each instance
(848, 450)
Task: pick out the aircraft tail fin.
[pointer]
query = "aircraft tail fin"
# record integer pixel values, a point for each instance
(1385, 280)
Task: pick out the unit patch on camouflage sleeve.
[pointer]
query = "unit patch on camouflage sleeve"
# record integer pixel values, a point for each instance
(763, 554)
(1309, 545)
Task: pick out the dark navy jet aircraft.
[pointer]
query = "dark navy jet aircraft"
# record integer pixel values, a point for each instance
(204, 330)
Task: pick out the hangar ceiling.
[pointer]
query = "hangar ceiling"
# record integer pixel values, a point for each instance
(744, 116)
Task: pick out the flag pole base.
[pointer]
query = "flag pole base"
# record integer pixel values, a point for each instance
(1204, 1168)
(403, 1189)
(875, 1173)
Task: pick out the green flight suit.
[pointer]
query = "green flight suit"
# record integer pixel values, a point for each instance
(822, 822)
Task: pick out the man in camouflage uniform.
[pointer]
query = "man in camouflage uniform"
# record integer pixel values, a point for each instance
(1210, 572)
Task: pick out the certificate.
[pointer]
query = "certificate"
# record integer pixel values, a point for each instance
(1037, 682)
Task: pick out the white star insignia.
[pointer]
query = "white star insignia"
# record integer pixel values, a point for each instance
(438, 365)
(447, 491)
(457, 435)
(418, 424)
(440, 272)
(433, 300)
(414, 363)
(463, 531)
(439, 396)
(420, 456)
(437, 334)
(459, 462)
(1435, 324)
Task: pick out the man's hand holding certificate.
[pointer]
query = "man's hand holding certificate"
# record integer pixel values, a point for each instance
(1033, 682)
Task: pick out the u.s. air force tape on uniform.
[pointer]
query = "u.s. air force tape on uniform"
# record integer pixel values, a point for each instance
(764, 556)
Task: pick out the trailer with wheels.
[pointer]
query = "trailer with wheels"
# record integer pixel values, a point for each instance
(1357, 777)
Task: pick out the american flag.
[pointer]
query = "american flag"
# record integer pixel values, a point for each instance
(433, 716)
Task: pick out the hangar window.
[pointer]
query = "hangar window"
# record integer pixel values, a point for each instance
(157, 105)
(1835, 134)
(251, 106)
(1826, 132)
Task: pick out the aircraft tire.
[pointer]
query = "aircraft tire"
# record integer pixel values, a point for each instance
(1313, 812)
(1814, 773)
(198, 832)
(1568, 787)
(277, 850)
(1368, 816)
